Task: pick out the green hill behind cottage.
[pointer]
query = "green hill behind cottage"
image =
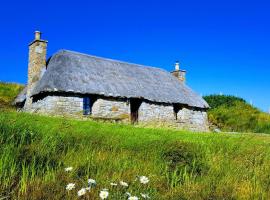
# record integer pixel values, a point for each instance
(234, 114)
(35, 150)
(8, 92)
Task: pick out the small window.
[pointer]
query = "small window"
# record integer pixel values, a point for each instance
(87, 106)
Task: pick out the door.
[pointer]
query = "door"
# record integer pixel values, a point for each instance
(134, 110)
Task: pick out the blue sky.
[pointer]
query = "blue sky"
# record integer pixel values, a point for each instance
(223, 45)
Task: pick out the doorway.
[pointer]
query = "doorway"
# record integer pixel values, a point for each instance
(134, 110)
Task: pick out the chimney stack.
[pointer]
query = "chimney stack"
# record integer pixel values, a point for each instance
(179, 73)
(177, 66)
(36, 64)
(37, 35)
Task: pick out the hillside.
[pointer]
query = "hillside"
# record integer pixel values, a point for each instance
(234, 114)
(35, 150)
(8, 92)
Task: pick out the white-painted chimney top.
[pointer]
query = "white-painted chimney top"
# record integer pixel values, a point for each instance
(37, 35)
(177, 66)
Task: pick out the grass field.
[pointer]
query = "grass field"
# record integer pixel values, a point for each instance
(34, 150)
(8, 92)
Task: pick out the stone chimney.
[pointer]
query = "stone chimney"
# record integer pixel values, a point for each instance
(178, 73)
(36, 64)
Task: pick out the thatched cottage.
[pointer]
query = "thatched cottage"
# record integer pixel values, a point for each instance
(76, 84)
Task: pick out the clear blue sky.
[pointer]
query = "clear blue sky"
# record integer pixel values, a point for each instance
(223, 45)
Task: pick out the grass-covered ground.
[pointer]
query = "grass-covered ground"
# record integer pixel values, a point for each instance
(234, 114)
(8, 92)
(34, 151)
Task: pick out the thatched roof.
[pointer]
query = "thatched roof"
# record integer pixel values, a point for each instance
(78, 73)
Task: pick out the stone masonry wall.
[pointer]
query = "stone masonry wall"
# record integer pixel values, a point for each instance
(192, 120)
(149, 113)
(153, 112)
(163, 115)
(58, 105)
(111, 109)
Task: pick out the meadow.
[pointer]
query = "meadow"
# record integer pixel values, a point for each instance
(36, 151)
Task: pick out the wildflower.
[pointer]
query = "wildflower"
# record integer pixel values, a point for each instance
(81, 192)
(127, 193)
(133, 198)
(68, 169)
(145, 196)
(144, 179)
(91, 182)
(113, 184)
(123, 184)
(70, 186)
(103, 194)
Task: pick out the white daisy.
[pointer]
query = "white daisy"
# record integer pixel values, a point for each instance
(145, 196)
(81, 192)
(133, 198)
(70, 186)
(123, 184)
(68, 169)
(103, 194)
(92, 181)
(144, 179)
(113, 184)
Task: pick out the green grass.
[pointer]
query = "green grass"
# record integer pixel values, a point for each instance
(8, 92)
(234, 114)
(34, 150)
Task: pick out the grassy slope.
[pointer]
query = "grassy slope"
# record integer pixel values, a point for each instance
(235, 114)
(34, 151)
(8, 92)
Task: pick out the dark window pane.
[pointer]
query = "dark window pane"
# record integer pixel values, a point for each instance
(86, 106)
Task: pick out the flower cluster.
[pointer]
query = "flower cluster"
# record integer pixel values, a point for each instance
(104, 193)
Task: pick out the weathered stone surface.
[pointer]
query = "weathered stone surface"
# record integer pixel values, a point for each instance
(36, 65)
(149, 113)
(111, 109)
(58, 105)
(163, 115)
(192, 120)
(155, 112)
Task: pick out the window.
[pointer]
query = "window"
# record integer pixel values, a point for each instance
(87, 106)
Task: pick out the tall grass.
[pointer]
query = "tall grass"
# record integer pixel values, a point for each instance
(34, 151)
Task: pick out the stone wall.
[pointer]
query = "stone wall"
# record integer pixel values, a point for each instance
(163, 115)
(155, 112)
(194, 120)
(149, 113)
(58, 105)
(111, 109)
